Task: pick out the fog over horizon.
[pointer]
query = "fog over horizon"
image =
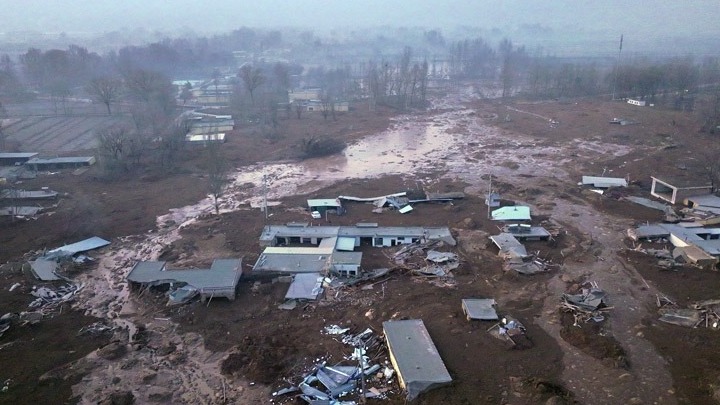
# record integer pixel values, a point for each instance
(643, 20)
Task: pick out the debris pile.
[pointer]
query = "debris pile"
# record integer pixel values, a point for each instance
(328, 384)
(588, 305)
(702, 313)
(510, 330)
(95, 329)
(47, 299)
(424, 261)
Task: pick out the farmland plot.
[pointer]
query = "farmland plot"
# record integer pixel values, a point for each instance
(57, 135)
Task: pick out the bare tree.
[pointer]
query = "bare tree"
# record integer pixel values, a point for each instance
(252, 78)
(113, 145)
(217, 174)
(186, 93)
(59, 93)
(106, 90)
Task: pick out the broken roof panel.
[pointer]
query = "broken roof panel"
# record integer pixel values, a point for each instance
(345, 243)
(482, 309)
(604, 182)
(512, 213)
(509, 245)
(305, 286)
(77, 247)
(414, 357)
(44, 270)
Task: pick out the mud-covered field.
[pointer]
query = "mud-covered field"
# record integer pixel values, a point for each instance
(241, 351)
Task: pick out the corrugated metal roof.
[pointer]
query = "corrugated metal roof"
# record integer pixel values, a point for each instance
(415, 356)
(44, 270)
(345, 243)
(81, 246)
(513, 213)
(480, 308)
(305, 286)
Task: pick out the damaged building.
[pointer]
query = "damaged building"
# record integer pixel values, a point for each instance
(220, 280)
(330, 249)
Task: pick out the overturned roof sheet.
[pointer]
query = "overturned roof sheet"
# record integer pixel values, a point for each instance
(482, 309)
(512, 213)
(44, 270)
(77, 247)
(604, 182)
(305, 286)
(414, 357)
(509, 246)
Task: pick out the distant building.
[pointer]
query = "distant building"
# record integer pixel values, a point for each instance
(60, 162)
(640, 103)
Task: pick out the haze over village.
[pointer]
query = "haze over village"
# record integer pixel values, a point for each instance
(371, 202)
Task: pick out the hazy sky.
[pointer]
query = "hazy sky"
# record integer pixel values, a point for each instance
(667, 17)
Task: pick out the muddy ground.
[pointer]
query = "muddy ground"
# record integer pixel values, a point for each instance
(179, 354)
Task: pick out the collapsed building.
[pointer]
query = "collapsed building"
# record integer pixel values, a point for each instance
(220, 280)
(695, 244)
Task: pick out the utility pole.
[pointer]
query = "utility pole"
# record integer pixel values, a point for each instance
(488, 198)
(265, 196)
(617, 67)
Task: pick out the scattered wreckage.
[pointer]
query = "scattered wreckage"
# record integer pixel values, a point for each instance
(516, 257)
(423, 260)
(333, 384)
(701, 313)
(589, 304)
